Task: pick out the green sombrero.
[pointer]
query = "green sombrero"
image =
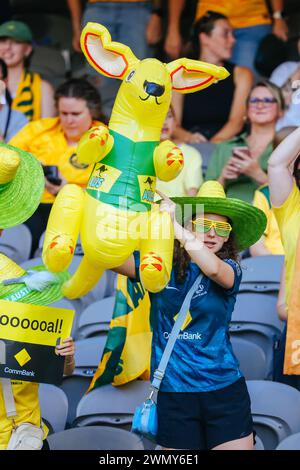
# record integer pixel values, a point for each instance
(21, 185)
(248, 222)
(19, 292)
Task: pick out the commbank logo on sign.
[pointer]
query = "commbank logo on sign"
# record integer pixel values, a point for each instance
(22, 357)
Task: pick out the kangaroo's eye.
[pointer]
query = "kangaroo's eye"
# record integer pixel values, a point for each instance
(129, 77)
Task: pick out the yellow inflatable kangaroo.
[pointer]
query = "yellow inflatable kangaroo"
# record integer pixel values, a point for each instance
(116, 215)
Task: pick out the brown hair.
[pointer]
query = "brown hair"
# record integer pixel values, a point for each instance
(273, 89)
(205, 25)
(81, 89)
(296, 171)
(182, 259)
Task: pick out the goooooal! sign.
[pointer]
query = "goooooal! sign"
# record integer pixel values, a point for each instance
(28, 336)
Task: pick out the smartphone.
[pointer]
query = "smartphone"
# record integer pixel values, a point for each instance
(51, 174)
(242, 149)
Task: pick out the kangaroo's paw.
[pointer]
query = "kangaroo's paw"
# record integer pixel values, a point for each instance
(168, 160)
(94, 145)
(153, 272)
(59, 253)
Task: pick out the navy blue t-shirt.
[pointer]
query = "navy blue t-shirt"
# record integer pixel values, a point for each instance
(202, 359)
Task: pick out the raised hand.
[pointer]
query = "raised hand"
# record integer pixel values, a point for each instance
(167, 205)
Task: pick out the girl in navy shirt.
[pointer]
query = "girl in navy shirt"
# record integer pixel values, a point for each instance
(203, 402)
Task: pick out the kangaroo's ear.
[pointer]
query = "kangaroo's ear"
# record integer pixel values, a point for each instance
(189, 75)
(111, 59)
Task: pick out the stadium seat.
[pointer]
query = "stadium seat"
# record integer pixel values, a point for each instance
(275, 410)
(95, 438)
(96, 318)
(50, 64)
(258, 443)
(261, 274)
(251, 357)
(290, 443)
(255, 319)
(111, 405)
(63, 303)
(257, 308)
(88, 353)
(206, 149)
(74, 387)
(15, 243)
(54, 406)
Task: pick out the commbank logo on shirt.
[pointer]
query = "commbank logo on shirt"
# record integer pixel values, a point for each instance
(185, 335)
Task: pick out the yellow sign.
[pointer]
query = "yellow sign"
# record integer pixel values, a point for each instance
(34, 324)
(103, 177)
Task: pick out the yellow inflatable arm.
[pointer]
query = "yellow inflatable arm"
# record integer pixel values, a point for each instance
(63, 228)
(168, 160)
(94, 145)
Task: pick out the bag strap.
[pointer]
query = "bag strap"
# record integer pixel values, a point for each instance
(8, 396)
(160, 371)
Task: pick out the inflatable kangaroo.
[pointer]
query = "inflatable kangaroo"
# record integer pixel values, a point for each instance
(116, 214)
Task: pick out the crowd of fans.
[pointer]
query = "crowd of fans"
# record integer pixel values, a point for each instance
(242, 118)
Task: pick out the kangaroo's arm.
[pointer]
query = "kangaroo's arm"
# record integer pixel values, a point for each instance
(168, 160)
(95, 144)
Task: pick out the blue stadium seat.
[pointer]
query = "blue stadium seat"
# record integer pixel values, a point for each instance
(95, 438)
(255, 319)
(15, 243)
(261, 274)
(252, 358)
(290, 443)
(96, 318)
(275, 410)
(54, 406)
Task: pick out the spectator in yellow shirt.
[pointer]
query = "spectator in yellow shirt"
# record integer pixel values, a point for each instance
(249, 18)
(189, 180)
(54, 142)
(285, 199)
(270, 243)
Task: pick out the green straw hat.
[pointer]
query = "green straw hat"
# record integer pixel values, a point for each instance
(19, 292)
(248, 222)
(21, 185)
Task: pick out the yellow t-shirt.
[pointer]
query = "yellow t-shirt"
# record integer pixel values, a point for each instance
(288, 219)
(241, 13)
(190, 176)
(26, 395)
(45, 139)
(272, 235)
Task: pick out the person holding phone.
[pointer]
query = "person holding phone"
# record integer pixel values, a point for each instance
(240, 164)
(54, 142)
